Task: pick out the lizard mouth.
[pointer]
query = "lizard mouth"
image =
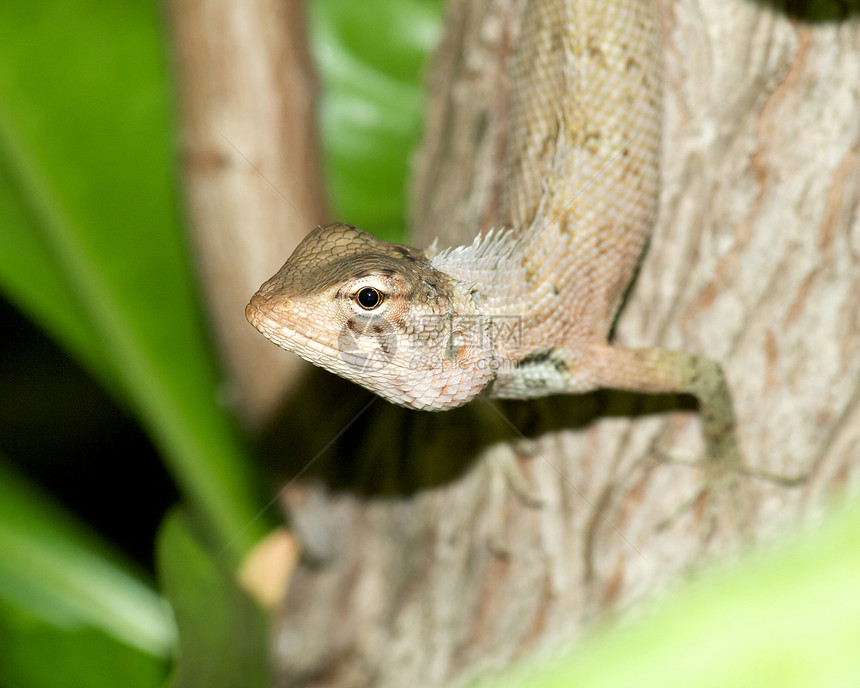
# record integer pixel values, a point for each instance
(264, 317)
(251, 314)
(257, 314)
(263, 309)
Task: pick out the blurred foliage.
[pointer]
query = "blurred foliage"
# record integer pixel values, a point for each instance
(371, 57)
(69, 605)
(92, 246)
(223, 634)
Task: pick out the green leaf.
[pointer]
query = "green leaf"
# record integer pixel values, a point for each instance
(39, 655)
(90, 242)
(69, 605)
(371, 56)
(223, 634)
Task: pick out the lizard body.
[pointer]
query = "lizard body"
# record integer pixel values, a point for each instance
(524, 312)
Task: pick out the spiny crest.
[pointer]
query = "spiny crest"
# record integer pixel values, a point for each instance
(482, 260)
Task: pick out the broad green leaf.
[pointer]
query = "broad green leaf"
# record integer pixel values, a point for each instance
(90, 242)
(223, 634)
(38, 655)
(70, 607)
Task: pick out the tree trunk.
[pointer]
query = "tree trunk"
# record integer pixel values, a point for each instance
(755, 261)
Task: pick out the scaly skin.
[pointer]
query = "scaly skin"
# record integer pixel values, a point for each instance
(524, 312)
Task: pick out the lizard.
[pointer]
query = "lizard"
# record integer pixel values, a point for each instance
(525, 311)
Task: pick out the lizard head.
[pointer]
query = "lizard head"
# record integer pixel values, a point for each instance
(378, 314)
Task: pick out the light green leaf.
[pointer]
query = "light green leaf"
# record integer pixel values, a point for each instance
(66, 594)
(223, 634)
(371, 57)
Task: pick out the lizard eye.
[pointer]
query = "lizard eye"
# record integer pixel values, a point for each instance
(369, 298)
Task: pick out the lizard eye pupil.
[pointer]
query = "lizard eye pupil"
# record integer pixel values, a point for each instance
(368, 298)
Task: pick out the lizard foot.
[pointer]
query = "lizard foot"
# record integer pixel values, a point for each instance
(725, 503)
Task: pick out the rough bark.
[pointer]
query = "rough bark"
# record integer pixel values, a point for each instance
(252, 170)
(755, 261)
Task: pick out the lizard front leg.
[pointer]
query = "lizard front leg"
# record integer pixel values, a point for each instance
(657, 370)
